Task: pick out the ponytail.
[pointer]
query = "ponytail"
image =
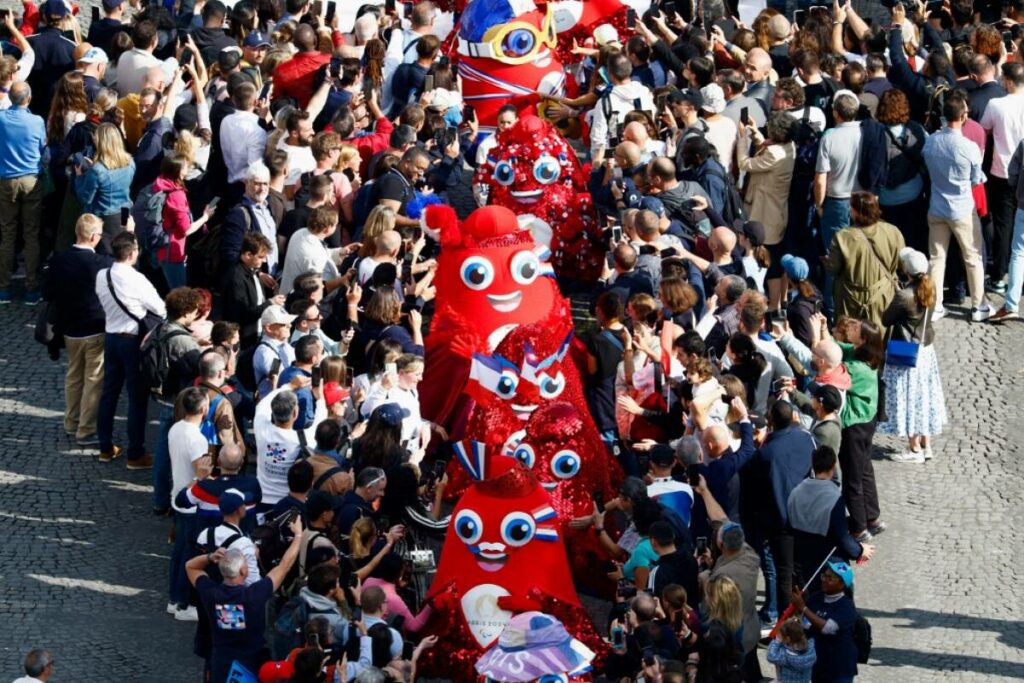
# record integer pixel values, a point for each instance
(924, 291)
(761, 255)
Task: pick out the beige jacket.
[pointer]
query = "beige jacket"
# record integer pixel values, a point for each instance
(766, 193)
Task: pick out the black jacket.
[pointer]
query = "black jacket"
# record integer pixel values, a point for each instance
(71, 287)
(239, 302)
(54, 58)
(678, 567)
(210, 42)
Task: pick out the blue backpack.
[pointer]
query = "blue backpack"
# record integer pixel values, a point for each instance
(148, 212)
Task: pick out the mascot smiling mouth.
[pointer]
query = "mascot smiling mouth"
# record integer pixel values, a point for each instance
(505, 303)
(492, 558)
(523, 412)
(527, 196)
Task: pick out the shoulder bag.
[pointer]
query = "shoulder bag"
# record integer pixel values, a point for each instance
(147, 323)
(904, 353)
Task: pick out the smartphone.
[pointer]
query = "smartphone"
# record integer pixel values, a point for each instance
(693, 474)
(265, 91)
(661, 102)
(469, 113)
(618, 637)
(353, 580)
(318, 8)
(317, 375)
(332, 7)
(616, 234)
(186, 56)
(125, 211)
(626, 590)
(428, 83)
(1008, 41)
(407, 8)
(407, 650)
(275, 367)
(667, 253)
(293, 514)
(349, 377)
(350, 174)
(440, 466)
(702, 544)
(598, 497)
(357, 613)
(777, 386)
(800, 17)
(95, 13)
(417, 234)
(213, 203)
(745, 116)
(713, 357)
(397, 622)
(648, 656)
(631, 18)
(389, 6)
(934, 6)
(391, 369)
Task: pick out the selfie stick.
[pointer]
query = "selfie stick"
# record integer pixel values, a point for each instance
(788, 612)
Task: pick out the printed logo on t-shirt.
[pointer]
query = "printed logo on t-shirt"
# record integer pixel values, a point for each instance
(230, 617)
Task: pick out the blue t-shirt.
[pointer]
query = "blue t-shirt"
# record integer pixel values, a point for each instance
(643, 555)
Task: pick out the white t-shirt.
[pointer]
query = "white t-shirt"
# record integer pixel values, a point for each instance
(405, 398)
(186, 444)
(722, 134)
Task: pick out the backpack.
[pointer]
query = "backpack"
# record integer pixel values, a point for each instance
(733, 209)
(148, 212)
(155, 364)
(208, 246)
(301, 197)
(936, 100)
(208, 427)
(245, 372)
(272, 539)
(862, 639)
(361, 207)
(806, 138)
(288, 626)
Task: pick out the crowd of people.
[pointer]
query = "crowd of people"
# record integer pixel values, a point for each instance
(214, 201)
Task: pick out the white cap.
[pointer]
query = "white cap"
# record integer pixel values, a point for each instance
(442, 99)
(605, 34)
(714, 98)
(913, 262)
(276, 315)
(94, 55)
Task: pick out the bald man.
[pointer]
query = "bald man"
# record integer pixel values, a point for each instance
(636, 133)
(612, 183)
(295, 77)
(757, 68)
(722, 462)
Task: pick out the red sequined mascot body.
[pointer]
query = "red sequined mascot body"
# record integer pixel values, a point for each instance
(504, 553)
(534, 172)
(491, 277)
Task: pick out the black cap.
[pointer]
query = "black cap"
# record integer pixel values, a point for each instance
(317, 503)
(663, 455)
(186, 117)
(690, 95)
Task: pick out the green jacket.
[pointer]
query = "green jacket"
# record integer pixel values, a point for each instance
(861, 403)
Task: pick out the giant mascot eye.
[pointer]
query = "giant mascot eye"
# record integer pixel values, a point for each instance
(504, 174)
(517, 529)
(524, 454)
(550, 387)
(518, 43)
(546, 170)
(553, 678)
(468, 526)
(477, 273)
(565, 464)
(525, 267)
(507, 384)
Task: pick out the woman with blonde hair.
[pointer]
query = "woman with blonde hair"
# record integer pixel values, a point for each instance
(347, 181)
(380, 220)
(102, 186)
(360, 543)
(721, 647)
(914, 402)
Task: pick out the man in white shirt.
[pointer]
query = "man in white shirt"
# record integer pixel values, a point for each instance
(1004, 119)
(277, 442)
(242, 139)
(610, 111)
(296, 144)
(308, 253)
(190, 462)
(132, 65)
(127, 297)
(400, 391)
(38, 667)
(421, 23)
(273, 345)
(229, 534)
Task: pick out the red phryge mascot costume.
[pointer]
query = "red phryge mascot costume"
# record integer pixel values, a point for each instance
(503, 553)
(491, 277)
(534, 172)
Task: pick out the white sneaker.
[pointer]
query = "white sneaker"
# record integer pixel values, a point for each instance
(927, 453)
(978, 315)
(172, 608)
(908, 456)
(187, 614)
(939, 313)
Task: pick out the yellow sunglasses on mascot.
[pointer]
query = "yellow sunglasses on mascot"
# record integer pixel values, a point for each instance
(517, 42)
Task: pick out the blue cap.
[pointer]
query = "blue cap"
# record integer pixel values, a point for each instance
(653, 204)
(55, 8)
(391, 414)
(796, 268)
(481, 15)
(230, 501)
(843, 571)
(257, 39)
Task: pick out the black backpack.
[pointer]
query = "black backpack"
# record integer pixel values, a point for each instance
(209, 545)
(733, 209)
(862, 639)
(288, 627)
(936, 100)
(155, 364)
(272, 539)
(245, 372)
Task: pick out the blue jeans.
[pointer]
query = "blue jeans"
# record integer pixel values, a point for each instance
(184, 541)
(1016, 269)
(835, 216)
(162, 460)
(770, 610)
(174, 273)
(120, 367)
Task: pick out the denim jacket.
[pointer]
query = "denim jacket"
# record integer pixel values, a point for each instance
(104, 192)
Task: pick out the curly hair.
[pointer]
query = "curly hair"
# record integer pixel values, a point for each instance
(893, 108)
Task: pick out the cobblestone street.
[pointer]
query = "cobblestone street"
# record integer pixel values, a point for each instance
(83, 565)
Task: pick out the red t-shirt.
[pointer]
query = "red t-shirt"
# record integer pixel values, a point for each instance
(294, 78)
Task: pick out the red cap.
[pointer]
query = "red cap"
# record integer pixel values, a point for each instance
(334, 392)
